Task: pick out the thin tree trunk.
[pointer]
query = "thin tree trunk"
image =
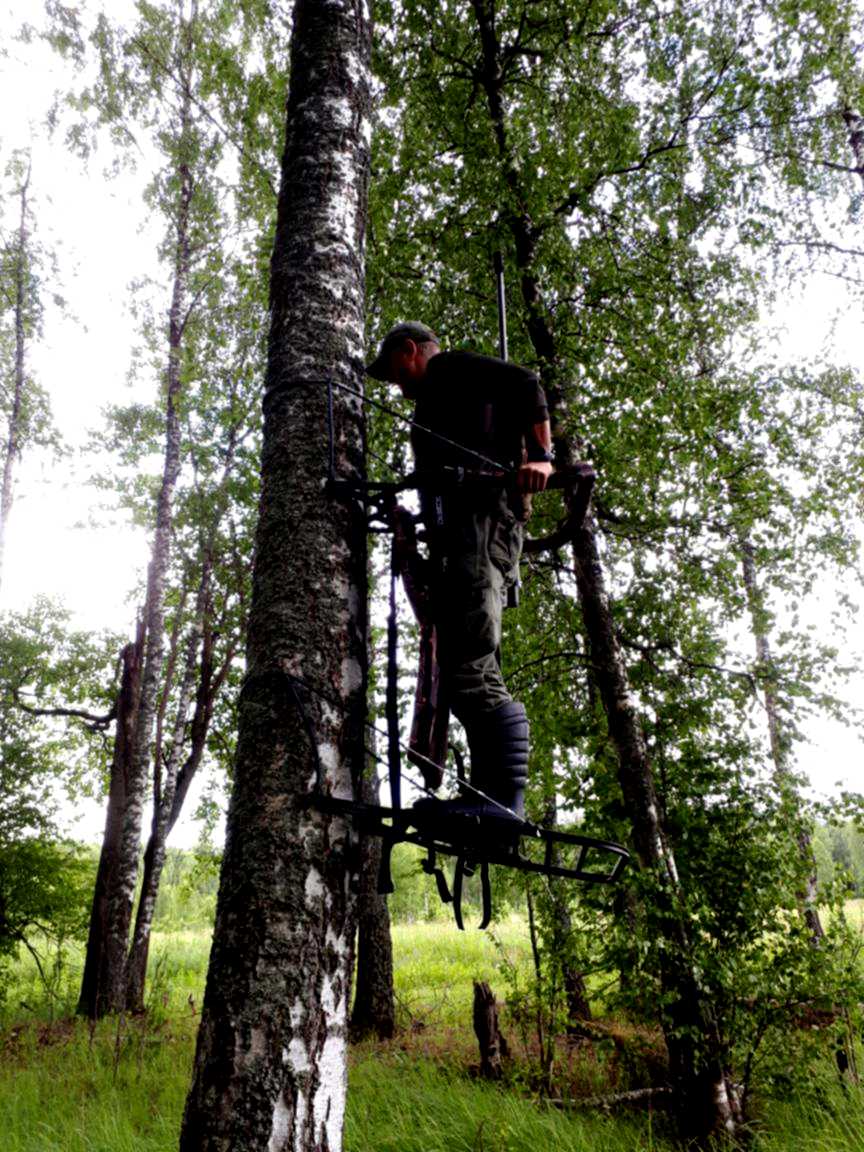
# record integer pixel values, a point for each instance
(576, 991)
(270, 1066)
(170, 793)
(777, 739)
(166, 689)
(855, 128)
(14, 430)
(163, 808)
(575, 986)
(707, 1103)
(210, 683)
(374, 1011)
(97, 996)
(122, 881)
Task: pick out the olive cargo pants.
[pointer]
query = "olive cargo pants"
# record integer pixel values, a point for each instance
(476, 555)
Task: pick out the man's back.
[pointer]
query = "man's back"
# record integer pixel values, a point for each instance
(479, 402)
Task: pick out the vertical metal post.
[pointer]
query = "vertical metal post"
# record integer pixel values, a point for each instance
(498, 261)
(394, 760)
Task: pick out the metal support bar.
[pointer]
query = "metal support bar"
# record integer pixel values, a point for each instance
(394, 759)
(498, 261)
(487, 847)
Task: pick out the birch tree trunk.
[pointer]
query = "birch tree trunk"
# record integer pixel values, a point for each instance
(707, 1100)
(202, 680)
(270, 1066)
(124, 873)
(163, 807)
(210, 681)
(14, 430)
(97, 995)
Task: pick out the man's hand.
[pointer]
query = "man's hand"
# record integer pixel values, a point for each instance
(534, 476)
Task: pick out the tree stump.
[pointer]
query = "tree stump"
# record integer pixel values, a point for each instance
(493, 1045)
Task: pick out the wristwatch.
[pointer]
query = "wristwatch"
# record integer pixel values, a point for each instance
(541, 458)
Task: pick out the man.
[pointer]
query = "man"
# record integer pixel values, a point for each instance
(484, 415)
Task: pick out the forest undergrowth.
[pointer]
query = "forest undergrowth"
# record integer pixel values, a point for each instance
(68, 1087)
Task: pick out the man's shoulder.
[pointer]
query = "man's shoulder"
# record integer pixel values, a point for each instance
(475, 366)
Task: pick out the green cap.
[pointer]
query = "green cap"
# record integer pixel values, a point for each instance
(410, 330)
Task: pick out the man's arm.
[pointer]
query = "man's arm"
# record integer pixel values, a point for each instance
(535, 472)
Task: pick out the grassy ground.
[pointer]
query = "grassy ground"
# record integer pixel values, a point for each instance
(119, 1087)
(855, 912)
(435, 967)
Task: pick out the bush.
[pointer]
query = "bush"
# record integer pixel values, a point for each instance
(46, 888)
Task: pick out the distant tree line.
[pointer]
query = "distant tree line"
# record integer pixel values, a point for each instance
(839, 852)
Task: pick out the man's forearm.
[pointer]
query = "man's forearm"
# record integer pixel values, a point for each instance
(538, 443)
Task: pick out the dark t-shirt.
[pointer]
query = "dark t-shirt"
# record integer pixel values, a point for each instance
(482, 403)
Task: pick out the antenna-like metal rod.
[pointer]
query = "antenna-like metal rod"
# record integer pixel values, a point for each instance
(498, 261)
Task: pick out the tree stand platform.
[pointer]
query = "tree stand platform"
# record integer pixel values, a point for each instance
(476, 843)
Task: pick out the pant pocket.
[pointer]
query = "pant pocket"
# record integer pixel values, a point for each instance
(505, 546)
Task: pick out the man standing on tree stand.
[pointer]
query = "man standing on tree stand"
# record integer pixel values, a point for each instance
(474, 407)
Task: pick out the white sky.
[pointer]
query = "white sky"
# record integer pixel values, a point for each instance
(102, 238)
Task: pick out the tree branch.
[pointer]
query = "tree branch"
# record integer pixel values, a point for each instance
(94, 722)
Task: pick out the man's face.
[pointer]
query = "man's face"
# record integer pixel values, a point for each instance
(408, 365)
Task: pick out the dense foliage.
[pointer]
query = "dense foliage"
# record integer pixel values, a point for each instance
(636, 168)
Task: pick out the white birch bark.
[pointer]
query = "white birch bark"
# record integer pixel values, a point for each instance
(163, 806)
(270, 1068)
(125, 875)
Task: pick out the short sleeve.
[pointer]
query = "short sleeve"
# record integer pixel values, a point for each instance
(532, 405)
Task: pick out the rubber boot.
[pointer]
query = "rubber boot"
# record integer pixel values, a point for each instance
(498, 744)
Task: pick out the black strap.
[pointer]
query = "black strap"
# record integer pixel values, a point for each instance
(432, 868)
(488, 461)
(486, 889)
(458, 876)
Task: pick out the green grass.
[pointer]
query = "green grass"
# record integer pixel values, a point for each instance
(65, 1087)
(435, 967)
(178, 969)
(399, 1105)
(855, 912)
(827, 1119)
